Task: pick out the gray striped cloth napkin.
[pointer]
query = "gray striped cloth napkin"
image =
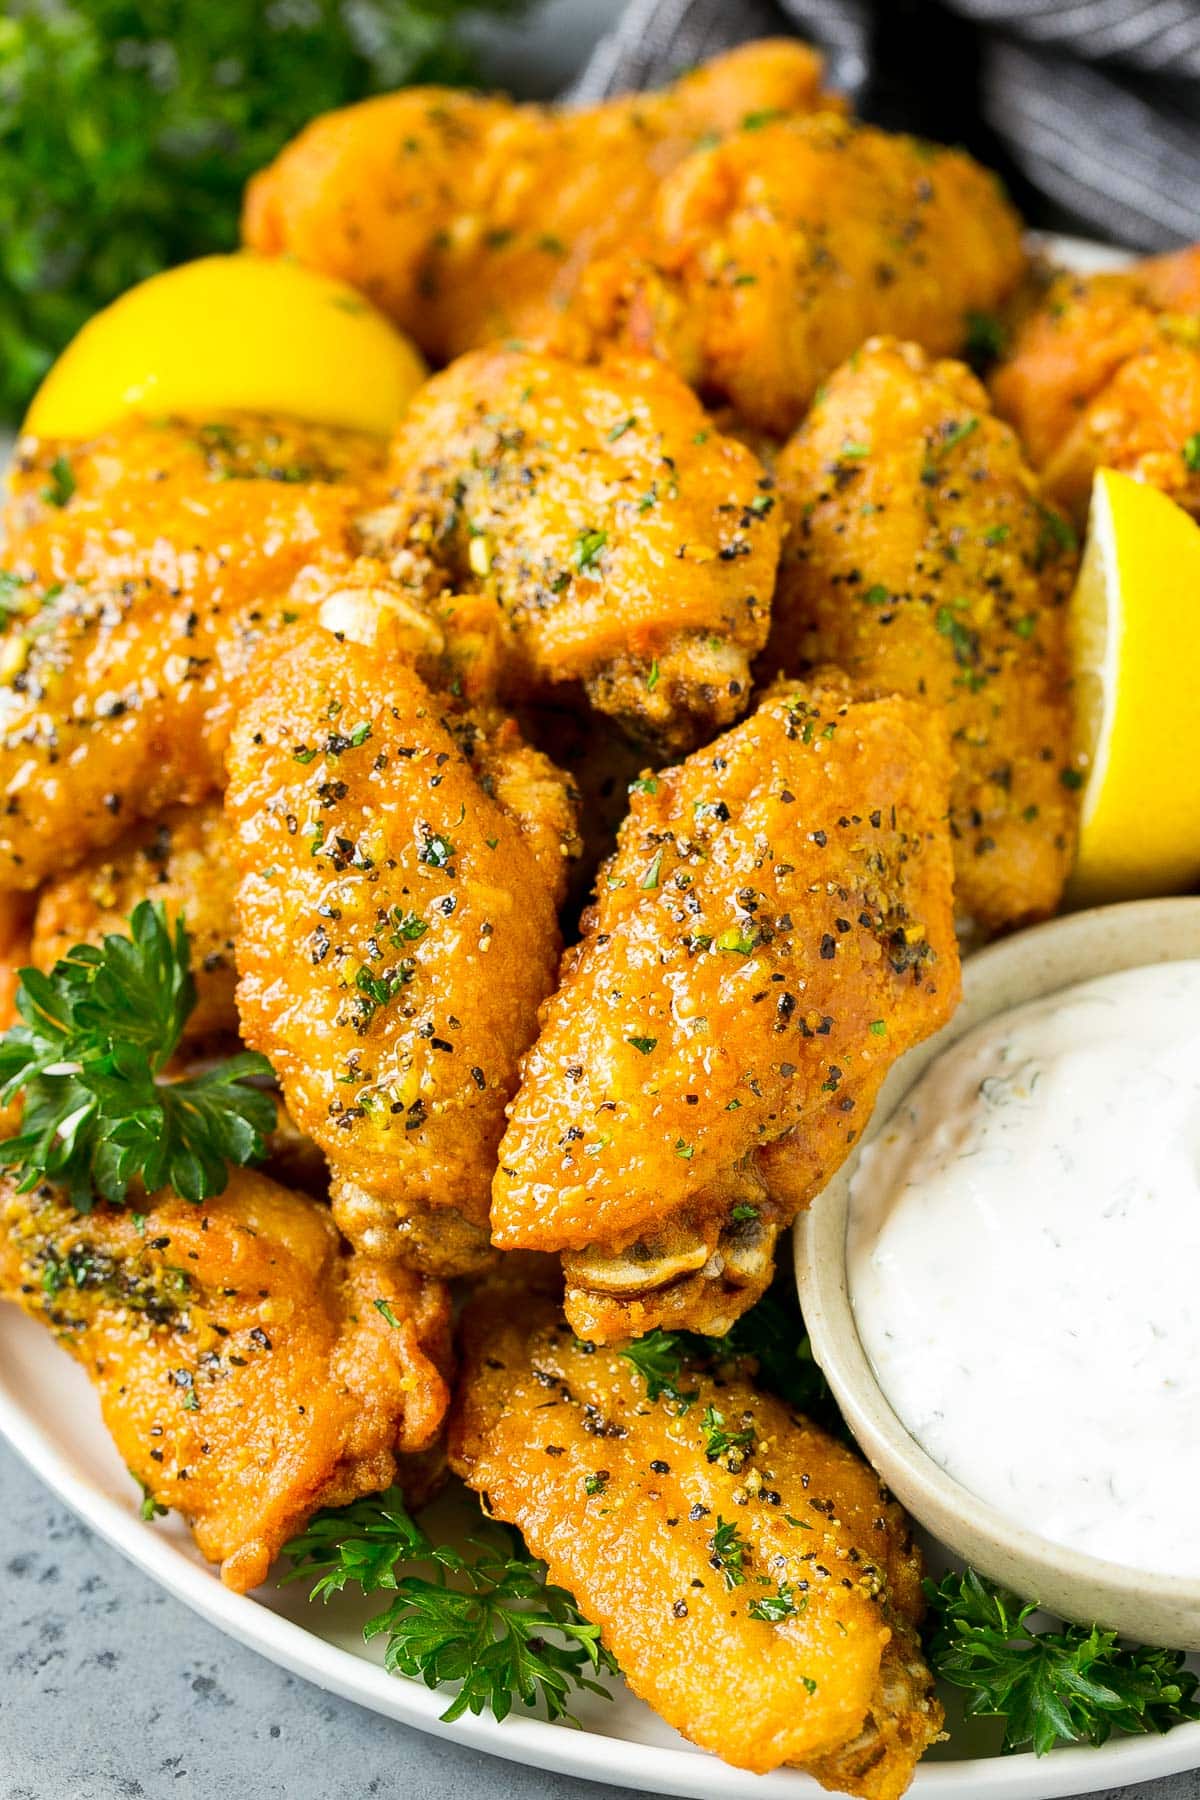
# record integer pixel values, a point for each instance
(1092, 105)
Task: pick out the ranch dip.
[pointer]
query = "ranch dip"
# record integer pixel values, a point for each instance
(1023, 1257)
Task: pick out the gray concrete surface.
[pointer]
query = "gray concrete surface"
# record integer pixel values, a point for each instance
(111, 1690)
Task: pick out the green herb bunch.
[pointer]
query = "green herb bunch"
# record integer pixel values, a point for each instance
(128, 129)
(1076, 1685)
(489, 1621)
(98, 1032)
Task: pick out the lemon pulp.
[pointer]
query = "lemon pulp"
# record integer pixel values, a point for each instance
(1135, 644)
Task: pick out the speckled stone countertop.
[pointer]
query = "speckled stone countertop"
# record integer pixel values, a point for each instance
(111, 1690)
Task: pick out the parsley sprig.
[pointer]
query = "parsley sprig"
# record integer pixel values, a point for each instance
(489, 1621)
(98, 1032)
(1077, 1685)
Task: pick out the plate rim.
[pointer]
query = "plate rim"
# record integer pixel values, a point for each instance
(679, 1770)
(528, 1740)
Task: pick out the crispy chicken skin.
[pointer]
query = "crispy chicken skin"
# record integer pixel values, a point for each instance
(245, 1369)
(774, 929)
(1105, 370)
(468, 218)
(630, 546)
(181, 859)
(174, 551)
(400, 859)
(921, 559)
(770, 257)
(620, 1498)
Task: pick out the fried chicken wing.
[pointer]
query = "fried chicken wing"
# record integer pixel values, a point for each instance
(921, 559)
(763, 1599)
(400, 859)
(158, 557)
(249, 1369)
(630, 546)
(1105, 371)
(467, 218)
(774, 929)
(183, 860)
(770, 257)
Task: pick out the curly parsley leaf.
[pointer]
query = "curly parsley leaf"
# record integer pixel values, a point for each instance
(489, 1621)
(659, 1358)
(1077, 1685)
(98, 1032)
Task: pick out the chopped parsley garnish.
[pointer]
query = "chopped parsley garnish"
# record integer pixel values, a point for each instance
(774, 1608)
(957, 434)
(654, 870)
(62, 483)
(644, 1044)
(1191, 453)
(98, 1032)
(728, 1549)
(720, 1443)
(489, 1621)
(436, 850)
(618, 431)
(585, 553)
(383, 1308)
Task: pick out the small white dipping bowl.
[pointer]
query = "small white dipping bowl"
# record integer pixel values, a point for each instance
(1156, 1609)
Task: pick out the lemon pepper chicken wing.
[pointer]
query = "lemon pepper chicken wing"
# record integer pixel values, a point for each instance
(770, 257)
(249, 1369)
(158, 557)
(182, 860)
(630, 546)
(400, 859)
(764, 1600)
(774, 929)
(468, 218)
(920, 558)
(1105, 370)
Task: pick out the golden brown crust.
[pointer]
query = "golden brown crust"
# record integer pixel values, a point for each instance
(181, 860)
(774, 929)
(399, 860)
(770, 257)
(630, 547)
(151, 588)
(247, 1367)
(620, 1497)
(469, 219)
(922, 559)
(1105, 371)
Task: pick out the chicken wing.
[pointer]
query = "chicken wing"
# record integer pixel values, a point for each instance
(399, 859)
(754, 1582)
(630, 546)
(1105, 370)
(468, 219)
(181, 859)
(146, 565)
(248, 1368)
(921, 559)
(770, 257)
(774, 929)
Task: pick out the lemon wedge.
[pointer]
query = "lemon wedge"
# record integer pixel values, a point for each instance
(1135, 641)
(230, 333)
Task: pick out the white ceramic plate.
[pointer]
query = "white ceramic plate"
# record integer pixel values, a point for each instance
(49, 1414)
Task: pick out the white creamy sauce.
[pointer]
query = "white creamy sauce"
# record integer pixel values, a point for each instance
(1024, 1265)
